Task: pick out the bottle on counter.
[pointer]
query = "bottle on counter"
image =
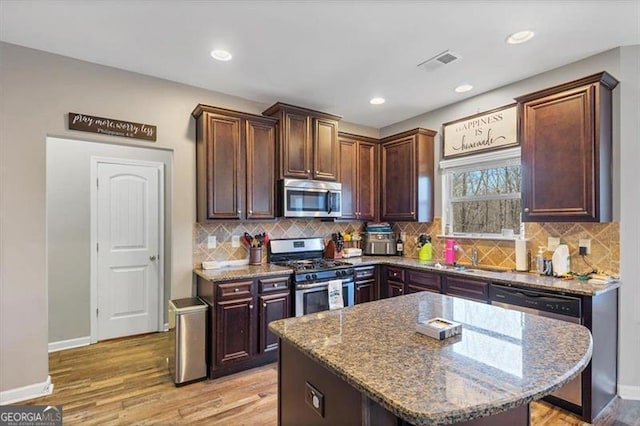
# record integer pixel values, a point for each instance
(540, 260)
(399, 246)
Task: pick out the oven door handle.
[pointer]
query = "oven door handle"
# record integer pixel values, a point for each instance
(314, 285)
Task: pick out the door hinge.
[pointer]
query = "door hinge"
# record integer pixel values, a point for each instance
(97, 183)
(97, 246)
(96, 311)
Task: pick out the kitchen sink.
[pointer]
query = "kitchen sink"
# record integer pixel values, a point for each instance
(466, 268)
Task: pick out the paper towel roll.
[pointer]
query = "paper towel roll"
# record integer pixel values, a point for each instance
(521, 256)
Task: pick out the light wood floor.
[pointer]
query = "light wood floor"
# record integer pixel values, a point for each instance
(126, 381)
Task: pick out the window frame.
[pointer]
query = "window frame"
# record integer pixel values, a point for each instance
(506, 157)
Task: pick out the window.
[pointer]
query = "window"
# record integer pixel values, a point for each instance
(481, 193)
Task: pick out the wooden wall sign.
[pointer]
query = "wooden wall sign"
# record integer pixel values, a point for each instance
(486, 131)
(110, 126)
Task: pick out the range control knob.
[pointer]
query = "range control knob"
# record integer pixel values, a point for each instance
(308, 277)
(344, 273)
(314, 276)
(337, 273)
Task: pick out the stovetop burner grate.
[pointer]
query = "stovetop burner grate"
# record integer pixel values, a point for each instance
(313, 264)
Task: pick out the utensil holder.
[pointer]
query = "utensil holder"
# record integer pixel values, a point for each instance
(255, 256)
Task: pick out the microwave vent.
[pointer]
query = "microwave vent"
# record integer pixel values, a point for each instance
(440, 60)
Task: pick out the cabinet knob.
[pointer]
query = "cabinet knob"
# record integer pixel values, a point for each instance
(413, 212)
(239, 211)
(401, 290)
(275, 285)
(264, 305)
(308, 171)
(250, 211)
(526, 209)
(235, 290)
(250, 306)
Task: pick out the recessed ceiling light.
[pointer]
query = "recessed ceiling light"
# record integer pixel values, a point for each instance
(377, 101)
(221, 55)
(463, 88)
(520, 37)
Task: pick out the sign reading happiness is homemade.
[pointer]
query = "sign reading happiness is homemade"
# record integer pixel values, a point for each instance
(486, 131)
(111, 126)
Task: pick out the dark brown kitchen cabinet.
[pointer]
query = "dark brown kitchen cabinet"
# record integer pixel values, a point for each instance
(234, 330)
(393, 280)
(240, 311)
(468, 288)
(308, 143)
(422, 281)
(365, 282)
(272, 307)
(407, 167)
(235, 164)
(566, 137)
(358, 175)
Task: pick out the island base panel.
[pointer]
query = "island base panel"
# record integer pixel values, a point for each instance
(300, 378)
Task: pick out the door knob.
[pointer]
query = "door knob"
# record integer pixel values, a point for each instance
(152, 258)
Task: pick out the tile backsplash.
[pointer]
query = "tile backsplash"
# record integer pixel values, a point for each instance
(282, 228)
(605, 240)
(605, 244)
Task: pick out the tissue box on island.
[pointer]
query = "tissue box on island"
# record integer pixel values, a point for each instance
(439, 328)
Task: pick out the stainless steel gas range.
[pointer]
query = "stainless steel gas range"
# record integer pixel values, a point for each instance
(311, 273)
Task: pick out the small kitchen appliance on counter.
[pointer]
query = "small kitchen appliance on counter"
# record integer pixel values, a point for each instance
(311, 273)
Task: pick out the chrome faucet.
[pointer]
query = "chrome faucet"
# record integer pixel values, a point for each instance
(474, 254)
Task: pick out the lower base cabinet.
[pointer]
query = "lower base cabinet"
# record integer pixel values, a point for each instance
(467, 287)
(366, 285)
(240, 311)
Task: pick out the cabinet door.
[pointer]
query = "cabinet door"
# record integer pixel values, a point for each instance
(366, 181)
(365, 291)
(558, 157)
(325, 149)
(467, 288)
(235, 330)
(272, 307)
(261, 144)
(222, 154)
(423, 281)
(394, 289)
(348, 177)
(398, 192)
(296, 149)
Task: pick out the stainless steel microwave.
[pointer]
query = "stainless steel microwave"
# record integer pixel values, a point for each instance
(309, 198)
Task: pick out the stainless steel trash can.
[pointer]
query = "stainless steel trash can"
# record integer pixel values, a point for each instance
(188, 338)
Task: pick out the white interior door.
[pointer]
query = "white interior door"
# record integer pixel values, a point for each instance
(128, 218)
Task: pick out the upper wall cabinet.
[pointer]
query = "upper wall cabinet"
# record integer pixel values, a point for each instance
(565, 133)
(235, 164)
(308, 143)
(406, 166)
(358, 175)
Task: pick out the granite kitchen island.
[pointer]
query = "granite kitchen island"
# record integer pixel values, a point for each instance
(366, 364)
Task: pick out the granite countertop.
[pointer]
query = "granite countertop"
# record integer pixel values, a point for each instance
(502, 359)
(245, 271)
(524, 279)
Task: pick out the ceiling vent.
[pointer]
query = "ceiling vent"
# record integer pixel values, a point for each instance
(438, 61)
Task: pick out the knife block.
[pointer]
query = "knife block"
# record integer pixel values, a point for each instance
(331, 251)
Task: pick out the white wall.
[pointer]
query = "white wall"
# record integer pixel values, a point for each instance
(624, 64)
(68, 228)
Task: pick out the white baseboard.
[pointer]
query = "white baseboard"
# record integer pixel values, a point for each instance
(68, 344)
(166, 326)
(629, 392)
(35, 390)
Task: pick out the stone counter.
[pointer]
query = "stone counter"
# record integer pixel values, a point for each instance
(523, 279)
(502, 360)
(241, 272)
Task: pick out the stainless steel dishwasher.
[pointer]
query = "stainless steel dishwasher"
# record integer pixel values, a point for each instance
(544, 304)
(187, 335)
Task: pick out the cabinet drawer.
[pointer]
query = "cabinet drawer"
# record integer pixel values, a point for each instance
(266, 285)
(468, 288)
(232, 290)
(424, 281)
(364, 273)
(395, 274)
